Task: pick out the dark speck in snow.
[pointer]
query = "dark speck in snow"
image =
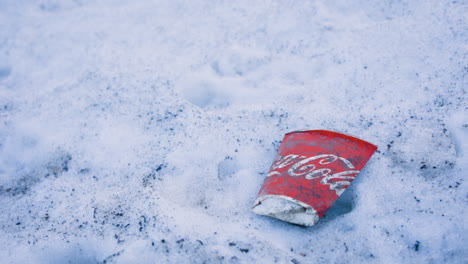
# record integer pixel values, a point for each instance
(159, 167)
(416, 245)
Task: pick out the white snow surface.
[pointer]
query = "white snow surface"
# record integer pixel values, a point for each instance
(141, 131)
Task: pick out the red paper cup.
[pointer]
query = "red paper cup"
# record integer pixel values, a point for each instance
(311, 170)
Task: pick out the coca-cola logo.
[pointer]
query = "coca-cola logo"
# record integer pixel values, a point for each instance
(334, 171)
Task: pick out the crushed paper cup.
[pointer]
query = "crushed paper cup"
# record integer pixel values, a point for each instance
(310, 172)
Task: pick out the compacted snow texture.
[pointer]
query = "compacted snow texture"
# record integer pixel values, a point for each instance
(141, 131)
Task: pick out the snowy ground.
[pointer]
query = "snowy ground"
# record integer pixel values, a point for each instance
(140, 131)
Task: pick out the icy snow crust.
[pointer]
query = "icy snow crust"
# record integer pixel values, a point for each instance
(141, 131)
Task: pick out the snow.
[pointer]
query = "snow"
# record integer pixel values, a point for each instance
(141, 131)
